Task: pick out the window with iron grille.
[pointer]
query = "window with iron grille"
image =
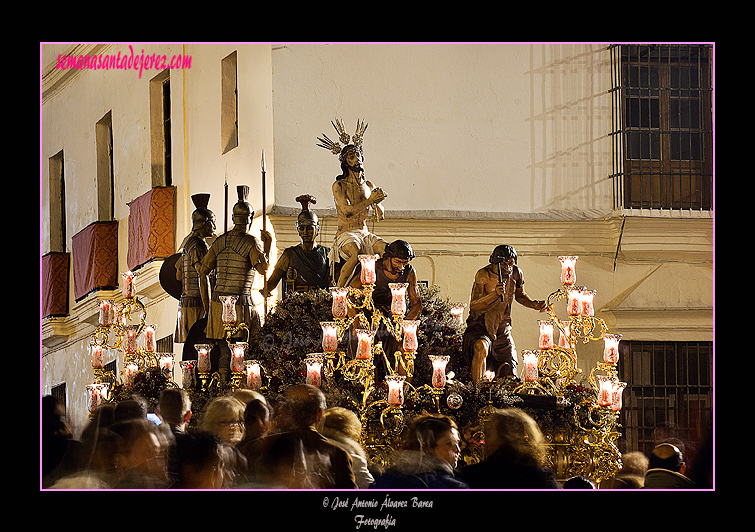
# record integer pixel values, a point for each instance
(662, 126)
(669, 392)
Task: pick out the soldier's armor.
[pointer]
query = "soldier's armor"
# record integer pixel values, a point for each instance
(195, 248)
(235, 271)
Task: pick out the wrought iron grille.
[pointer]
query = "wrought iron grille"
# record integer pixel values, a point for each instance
(662, 126)
(669, 392)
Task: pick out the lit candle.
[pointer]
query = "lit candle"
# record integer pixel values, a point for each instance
(187, 373)
(253, 374)
(368, 268)
(616, 394)
(611, 349)
(329, 336)
(203, 357)
(574, 301)
(238, 351)
(149, 338)
(410, 335)
(129, 289)
(106, 313)
(457, 311)
(568, 272)
(131, 338)
(166, 364)
(229, 308)
(546, 334)
(131, 370)
(530, 365)
(96, 356)
(605, 389)
(97, 394)
(314, 368)
(339, 301)
(439, 370)
(587, 297)
(395, 389)
(398, 298)
(364, 343)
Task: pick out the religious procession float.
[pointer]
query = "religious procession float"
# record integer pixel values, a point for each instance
(334, 336)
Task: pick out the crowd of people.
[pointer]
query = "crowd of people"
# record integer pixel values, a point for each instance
(240, 442)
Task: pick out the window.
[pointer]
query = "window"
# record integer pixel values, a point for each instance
(105, 179)
(160, 130)
(669, 392)
(57, 203)
(229, 121)
(662, 126)
(59, 392)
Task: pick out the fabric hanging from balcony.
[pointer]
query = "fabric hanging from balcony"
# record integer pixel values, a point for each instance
(55, 267)
(150, 227)
(95, 258)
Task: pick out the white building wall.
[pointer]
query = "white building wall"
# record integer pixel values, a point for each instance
(475, 145)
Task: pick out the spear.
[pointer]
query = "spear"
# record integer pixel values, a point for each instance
(264, 227)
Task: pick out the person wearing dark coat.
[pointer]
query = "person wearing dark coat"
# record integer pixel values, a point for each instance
(666, 469)
(427, 458)
(515, 455)
(309, 459)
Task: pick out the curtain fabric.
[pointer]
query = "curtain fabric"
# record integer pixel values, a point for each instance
(95, 258)
(150, 227)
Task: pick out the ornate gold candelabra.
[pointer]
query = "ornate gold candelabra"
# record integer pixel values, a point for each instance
(117, 329)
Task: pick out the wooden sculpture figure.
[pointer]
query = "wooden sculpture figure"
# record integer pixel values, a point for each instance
(303, 267)
(356, 200)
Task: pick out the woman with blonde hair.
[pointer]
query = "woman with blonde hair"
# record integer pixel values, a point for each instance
(343, 427)
(224, 417)
(516, 454)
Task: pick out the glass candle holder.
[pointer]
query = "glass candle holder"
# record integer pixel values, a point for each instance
(616, 396)
(398, 298)
(587, 297)
(410, 342)
(166, 364)
(129, 286)
(605, 389)
(611, 348)
(106, 313)
(367, 275)
(339, 301)
(150, 343)
(253, 374)
(568, 272)
(131, 370)
(229, 308)
(364, 343)
(439, 362)
(530, 366)
(314, 369)
(395, 389)
(574, 301)
(96, 395)
(457, 311)
(187, 373)
(203, 357)
(545, 340)
(130, 338)
(329, 336)
(96, 355)
(238, 352)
